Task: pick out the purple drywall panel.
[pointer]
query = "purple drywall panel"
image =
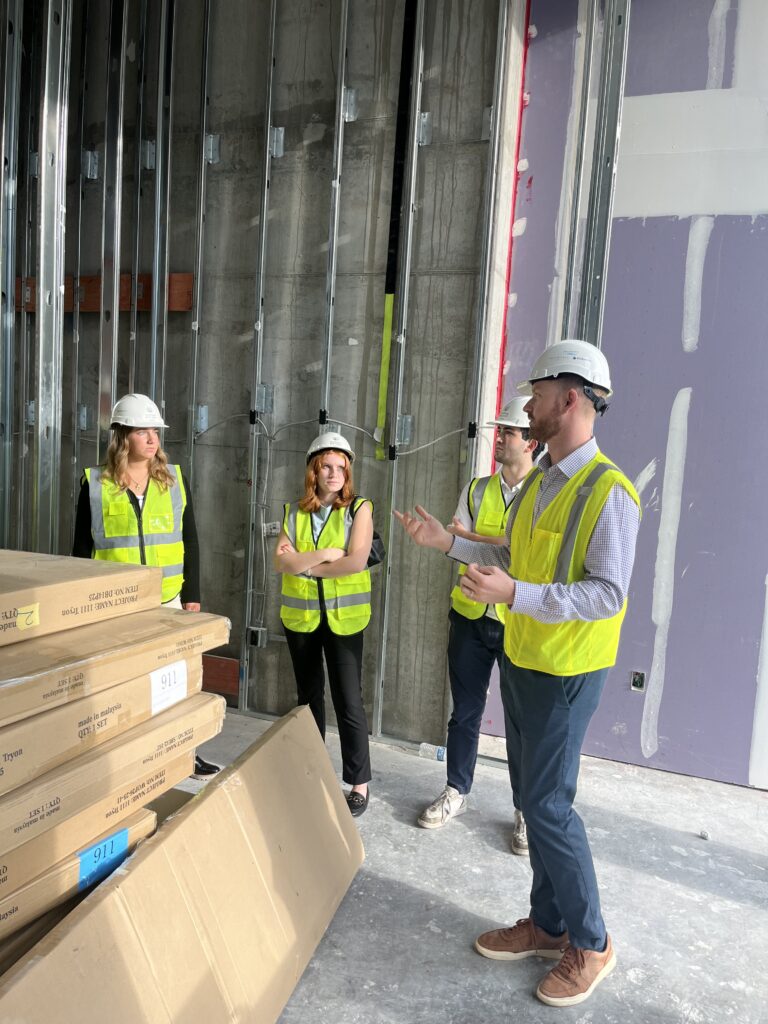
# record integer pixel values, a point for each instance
(668, 45)
(548, 84)
(718, 574)
(706, 712)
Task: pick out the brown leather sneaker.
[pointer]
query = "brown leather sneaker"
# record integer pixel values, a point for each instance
(576, 976)
(522, 940)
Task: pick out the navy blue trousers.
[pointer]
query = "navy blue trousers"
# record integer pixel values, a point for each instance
(546, 718)
(473, 646)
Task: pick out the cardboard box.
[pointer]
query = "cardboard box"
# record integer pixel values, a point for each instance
(17, 945)
(25, 862)
(216, 916)
(42, 594)
(36, 745)
(39, 805)
(79, 871)
(49, 671)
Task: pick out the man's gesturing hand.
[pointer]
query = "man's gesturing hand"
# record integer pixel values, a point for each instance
(488, 584)
(425, 530)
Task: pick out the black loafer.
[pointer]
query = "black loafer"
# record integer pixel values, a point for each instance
(357, 803)
(204, 769)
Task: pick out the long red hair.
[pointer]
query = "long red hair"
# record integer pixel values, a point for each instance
(310, 502)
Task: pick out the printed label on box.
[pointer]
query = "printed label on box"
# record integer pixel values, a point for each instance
(98, 860)
(28, 616)
(168, 685)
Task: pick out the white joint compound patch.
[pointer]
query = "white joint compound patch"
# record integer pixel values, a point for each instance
(699, 234)
(758, 753)
(644, 477)
(664, 577)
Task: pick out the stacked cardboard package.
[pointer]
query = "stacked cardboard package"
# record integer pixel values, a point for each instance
(100, 711)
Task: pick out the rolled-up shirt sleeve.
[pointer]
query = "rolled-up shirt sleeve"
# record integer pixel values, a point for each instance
(477, 551)
(608, 566)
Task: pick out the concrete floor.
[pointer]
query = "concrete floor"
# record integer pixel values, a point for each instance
(688, 915)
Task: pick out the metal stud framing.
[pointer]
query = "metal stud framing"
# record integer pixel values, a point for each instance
(26, 232)
(77, 213)
(197, 296)
(572, 276)
(403, 300)
(111, 220)
(12, 13)
(489, 208)
(57, 24)
(333, 229)
(158, 340)
(138, 137)
(256, 444)
(598, 228)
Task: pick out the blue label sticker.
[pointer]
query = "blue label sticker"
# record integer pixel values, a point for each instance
(98, 860)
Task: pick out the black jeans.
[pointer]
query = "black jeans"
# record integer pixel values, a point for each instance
(344, 660)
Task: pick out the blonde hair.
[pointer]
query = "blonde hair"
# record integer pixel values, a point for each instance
(310, 502)
(116, 463)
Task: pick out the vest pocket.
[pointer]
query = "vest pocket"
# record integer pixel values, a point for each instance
(119, 520)
(542, 557)
(158, 523)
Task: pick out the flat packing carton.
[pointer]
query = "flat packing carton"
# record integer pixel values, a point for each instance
(79, 871)
(216, 916)
(23, 863)
(36, 745)
(39, 805)
(14, 946)
(42, 594)
(52, 670)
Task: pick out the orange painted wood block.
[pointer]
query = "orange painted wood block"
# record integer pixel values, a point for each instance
(221, 675)
(180, 288)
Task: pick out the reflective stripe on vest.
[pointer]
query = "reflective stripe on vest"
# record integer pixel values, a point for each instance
(154, 539)
(347, 599)
(553, 551)
(489, 514)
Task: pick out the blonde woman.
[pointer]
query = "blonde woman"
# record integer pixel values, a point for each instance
(322, 552)
(137, 508)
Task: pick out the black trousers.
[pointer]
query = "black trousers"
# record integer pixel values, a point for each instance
(344, 660)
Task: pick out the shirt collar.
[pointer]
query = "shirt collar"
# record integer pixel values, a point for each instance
(506, 490)
(571, 464)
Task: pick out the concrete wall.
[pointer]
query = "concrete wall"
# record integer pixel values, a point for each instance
(460, 43)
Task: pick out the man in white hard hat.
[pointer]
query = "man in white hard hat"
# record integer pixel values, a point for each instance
(476, 637)
(564, 578)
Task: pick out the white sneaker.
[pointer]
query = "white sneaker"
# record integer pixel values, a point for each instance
(450, 803)
(519, 842)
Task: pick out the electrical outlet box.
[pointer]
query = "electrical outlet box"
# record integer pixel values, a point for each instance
(637, 681)
(257, 636)
(272, 529)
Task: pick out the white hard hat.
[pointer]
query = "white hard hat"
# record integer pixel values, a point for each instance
(512, 415)
(136, 411)
(572, 356)
(330, 439)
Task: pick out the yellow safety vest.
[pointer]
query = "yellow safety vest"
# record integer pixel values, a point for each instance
(153, 538)
(553, 551)
(347, 599)
(489, 514)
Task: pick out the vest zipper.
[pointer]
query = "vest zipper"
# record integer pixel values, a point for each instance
(139, 511)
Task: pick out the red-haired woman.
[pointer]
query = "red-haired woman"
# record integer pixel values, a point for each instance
(322, 552)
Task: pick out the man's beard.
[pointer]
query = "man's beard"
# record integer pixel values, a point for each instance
(545, 429)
